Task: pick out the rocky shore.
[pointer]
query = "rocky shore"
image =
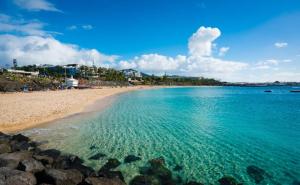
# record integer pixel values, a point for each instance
(22, 162)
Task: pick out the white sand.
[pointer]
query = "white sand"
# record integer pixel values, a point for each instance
(19, 111)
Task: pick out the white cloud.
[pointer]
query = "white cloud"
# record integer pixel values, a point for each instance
(72, 27)
(47, 50)
(266, 64)
(280, 44)
(36, 5)
(24, 27)
(287, 60)
(200, 43)
(199, 62)
(223, 51)
(87, 27)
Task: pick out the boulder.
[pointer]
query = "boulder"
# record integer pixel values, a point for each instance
(12, 159)
(5, 148)
(19, 145)
(193, 183)
(65, 177)
(157, 168)
(20, 138)
(103, 181)
(177, 168)
(256, 173)
(46, 160)
(50, 153)
(4, 138)
(110, 164)
(144, 180)
(9, 176)
(97, 156)
(31, 165)
(228, 180)
(72, 162)
(111, 174)
(131, 158)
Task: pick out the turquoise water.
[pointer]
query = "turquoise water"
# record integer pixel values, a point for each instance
(210, 131)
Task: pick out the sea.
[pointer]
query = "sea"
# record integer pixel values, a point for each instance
(210, 132)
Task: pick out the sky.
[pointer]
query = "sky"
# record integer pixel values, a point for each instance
(236, 41)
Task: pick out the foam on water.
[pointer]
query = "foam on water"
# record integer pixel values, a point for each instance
(210, 131)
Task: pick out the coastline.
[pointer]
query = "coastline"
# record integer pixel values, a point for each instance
(21, 111)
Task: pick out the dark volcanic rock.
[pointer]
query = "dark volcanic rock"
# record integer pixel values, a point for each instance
(157, 168)
(12, 159)
(103, 181)
(157, 161)
(31, 165)
(97, 156)
(20, 138)
(65, 177)
(177, 168)
(4, 137)
(19, 145)
(111, 174)
(46, 160)
(144, 180)
(193, 183)
(227, 180)
(5, 148)
(131, 158)
(51, 153)
(9, 176)
(256, 173)
(72, 162)
(110, 164)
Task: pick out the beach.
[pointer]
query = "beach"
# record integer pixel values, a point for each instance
(19, 111)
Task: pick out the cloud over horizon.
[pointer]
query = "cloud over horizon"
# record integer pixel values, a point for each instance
(198, 62)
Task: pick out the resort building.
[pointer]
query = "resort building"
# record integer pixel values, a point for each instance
(21, 72)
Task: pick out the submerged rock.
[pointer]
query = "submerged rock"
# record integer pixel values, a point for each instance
(31, 165)
(65, 177)
(193, 183)
(131, 158)
(177, 168)
(19, 145)
(228, 180)
(9, 176)
(97, 156)
(256, 173)
(110, 164)
(111, 174)
(157, 169)
(103, 181)
(145, 180)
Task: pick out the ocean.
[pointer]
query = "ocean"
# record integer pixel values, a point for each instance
(208, 131)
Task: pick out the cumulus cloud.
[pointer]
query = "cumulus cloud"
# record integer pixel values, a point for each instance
(200, 43)
(280, 44)
(223, 51)
(199, 62)
(36, 5)
(47, 50)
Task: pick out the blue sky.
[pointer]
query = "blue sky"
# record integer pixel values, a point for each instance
(255, 40)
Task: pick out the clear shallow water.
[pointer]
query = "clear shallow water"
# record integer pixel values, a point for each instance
(210, 131)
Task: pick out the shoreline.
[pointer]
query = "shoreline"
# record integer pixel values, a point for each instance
(22, 111)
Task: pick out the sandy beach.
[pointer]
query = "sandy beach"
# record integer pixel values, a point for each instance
(19, 111)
